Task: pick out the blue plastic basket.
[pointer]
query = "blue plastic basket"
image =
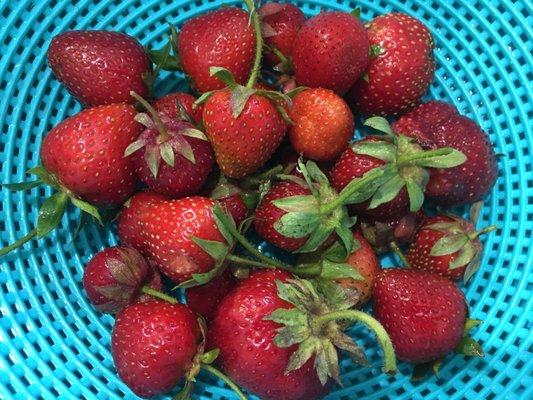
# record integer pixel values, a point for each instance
(53, 345)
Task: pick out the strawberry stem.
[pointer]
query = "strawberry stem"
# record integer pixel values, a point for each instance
(483, 231)
(18, 243)
(159, 295)
(163, 134)
(389, 361)
(308, 271)
(226, 379)
(399, 253)
(258, 45)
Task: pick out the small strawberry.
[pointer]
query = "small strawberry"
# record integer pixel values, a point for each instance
(404, 163)
(114, 277)
(448, 246)
(100, 67)
(331, 51)
(323, 124)
(155, 282)
(424, 314)
(204, 299)
(401, 68)
(267, 345)
(280, 24)
(222, 38)
(437, 124)
(173, 104)
(83, 160)
(186, 154)
(232, 199)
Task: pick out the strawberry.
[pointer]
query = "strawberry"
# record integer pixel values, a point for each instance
(400, 229)
(154, 282)
(331, 50)
(154, 345)
(437, 124)
(401, 68)
(204, 299)
(266, 342)
(323, 124)
(448, 246)
(222, 38)
(235, 206)
(365, 261)
(187, 155)
(173, 104)
(114, 277)
(404, 164)
(172, 247)
(100, 67)
(280, 24)
(423, 313)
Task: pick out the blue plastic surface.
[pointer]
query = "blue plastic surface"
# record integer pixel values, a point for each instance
(53, 345)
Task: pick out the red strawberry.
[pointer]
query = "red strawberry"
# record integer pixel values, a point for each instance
(167, 228)
(468, 182)
(129, 221)
(365, 261)
(171, 156)
(280, 24)
(235, 206)
(100, 67)
(323, 124)
(268, 345)
(400, 229)
(168, 105)
(114, 277)
(267, 215)
(154, 345)
(448, 246)
(331, 51)
(155, 282)
(204, 300)
(245, 143)
(86, 153)
(423, 313)
(401, 69)
(222, 38)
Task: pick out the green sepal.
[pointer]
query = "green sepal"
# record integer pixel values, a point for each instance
(469, 347)
(294, 92)
(415, 193)
(452, 159)
(376, 50)
(50, 213)
(299, 203)
(203, 98)
(380, 124)
(194, 133)
(167, 154)
(133, 147)
(224, 75)
(381, 150)
(470, 324)
(315, 173)
(318, 236)
(298, 224)
(465, 256)
(152, 159)
(345, 234)
(217, 250)
(373, 180)
(475, 211)
(356, 12)
(387, 191)
(46, 177)
(184, 148)
(288, 317)
(203, 278)
(449, 244)
(441, 226)
(87, 208)
(239, 98)
(223, 221)
(210, 356)
(22, 186)
(472, 266)
(334, 270)
(163, 59)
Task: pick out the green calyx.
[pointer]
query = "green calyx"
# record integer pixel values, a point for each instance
(166, 58)
(405, 165)
(314, 325)
(461, 238)
(52, 209)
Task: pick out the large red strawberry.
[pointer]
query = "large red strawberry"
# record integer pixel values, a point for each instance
(168, 229)
(173, 104)
(100, 67)
(331, 51)
(437, 124)
(171, 156)
(204, 299)
(322, 124)
(222, 38)
(261, 324)
(280, 24)
(401, 68)
(448, 246)
(423, 313)
(154, 345)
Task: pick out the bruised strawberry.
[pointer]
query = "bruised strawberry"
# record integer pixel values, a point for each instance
(154, 345)
(401, 67)
(173, 104)
(448, 246)
(423, 313)
(100, 67)
(204, 299)
(280, 23)
(331, 51)
(323, 124)
(222, 38)
(437, 124)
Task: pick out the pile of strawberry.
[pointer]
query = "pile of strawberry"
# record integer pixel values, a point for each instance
(262, 146)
